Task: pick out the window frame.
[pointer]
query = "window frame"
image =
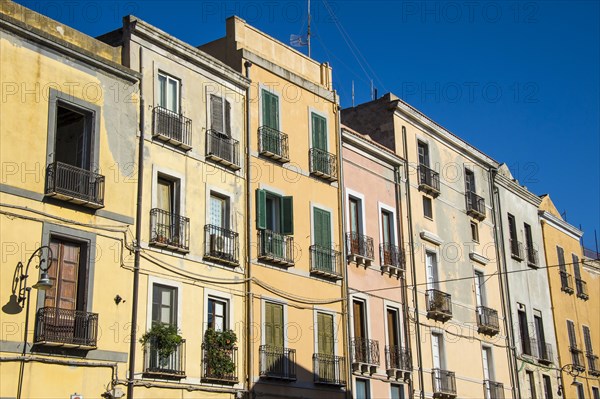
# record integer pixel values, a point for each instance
(367, 388)
(284, 305)
(323, 115)
(316, 312)
(429, 201)
(226, 122)
(474, 231)
(169, 283)
(223, 297)
(179, 85)
(272, 91)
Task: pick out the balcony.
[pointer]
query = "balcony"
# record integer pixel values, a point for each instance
(593, 366)
(566, 282)
(169, 230)
(219, 364)
(329, 369)
(397, 362)
(323, 164)
(277, 362)
(223, 149)
(221, 245)
(493, 390)
(577, 358)
(544, 352)
(516, 250)
(532, 257)
(439, 305)
(172, 128)
(429, 180)
(169, 367)
(325, 262)
(273, 144)
(364, 355)
(392, 259)
(444, 384)
(79, 186)
(581, 287)
(487, 321)
(475, 205)
(66, 328)
(360, 249)
(275, 248)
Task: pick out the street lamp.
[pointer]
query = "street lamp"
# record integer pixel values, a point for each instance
(570, 369)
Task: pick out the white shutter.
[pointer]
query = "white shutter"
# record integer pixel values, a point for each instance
(431, 270)
(435, 349)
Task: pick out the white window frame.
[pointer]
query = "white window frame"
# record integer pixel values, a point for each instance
(361, 198)
(169, 283)
(160, 72)
(492, 369)
(442, 348)
(398, 308)
(312, 222)
(365, 300)
(221, 296)
(278, 301)
(261, 87)
(168, 174)
(384, 207)
(218, 191)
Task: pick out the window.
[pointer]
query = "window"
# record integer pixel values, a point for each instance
(355, 208)
(217, 314)
(166, 195)
(530, 385)
(325, 336)
(524, 331)
(322, 228)
(580, 390)
(528, 236)
(397, 391)
(168, 92)
(387, 227)
(565, 284)
(427, 207)
(423, 150)
(274, 324)
(360, 321)
(73, 145)
(220, 116)
(319, 132)
(393, 327)
(431, 270)
(577, 274)
(219, 211)
(274, 212)
(469, 181)
(480, 289)
(362, 389)
(474, 232)
(514, 243)
(587, 339)
(547, 386)
(68, 275)
(488, 368)
(167, 226)
(437, 350)
(270, 110)
(164, 304)
(539, 332)
(595, 393)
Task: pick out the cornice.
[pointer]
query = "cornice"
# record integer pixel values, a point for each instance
(561, 225)
(517, 189)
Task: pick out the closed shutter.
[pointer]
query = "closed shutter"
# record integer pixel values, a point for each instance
(270, 110)
(261, 209)
(64, 275)
(576, 270)
(274, 324)
(587, 338)
(325, 333)
(216, 114)
(561, 259)
(319, 132)
(392, 324)
(322, 229)
(571, 330)
(287, 215)
(359, 319)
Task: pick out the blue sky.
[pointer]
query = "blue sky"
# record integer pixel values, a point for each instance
(520, 80)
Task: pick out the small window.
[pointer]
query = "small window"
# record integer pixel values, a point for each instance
(166, 195)
(362, 389)
(427, 208)
(474, 232)
(168, 92)
(319, 132)
(217, 314)
(580, 390)
(595, 393)
(547, 386)
(397, 391)
(530, 385)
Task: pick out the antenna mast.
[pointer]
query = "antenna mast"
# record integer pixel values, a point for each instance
(308, 30)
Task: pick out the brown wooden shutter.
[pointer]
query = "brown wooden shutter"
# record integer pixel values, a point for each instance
(216, 113)
(64, 275)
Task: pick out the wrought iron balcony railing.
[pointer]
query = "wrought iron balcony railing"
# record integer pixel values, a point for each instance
(221, 245)
(566, 282)
(277, 362)
(439, 305)
(273, 144)
(544, 352)
(223, 149)
(475, 205)
(169, 230)
(487, 320)
(516, 250)
(529, 346)
(397, 358)
(429, 180)
(360, 248)
(219, 365)
(581, 287)
(168, 367)
(329, 369)
(172, 128)
(577, 358)
(325, 262)
(593, 364)
(444, 383)
(532, 257)
(493, 389)
(73, 184)
(392, 256)
(276, 248)
(67, 328)
(365, 351)
(323, 164)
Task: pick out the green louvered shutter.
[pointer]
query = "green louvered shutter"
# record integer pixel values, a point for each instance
(319, 132)
(274, 324)
(325, 333)
(261, 209)
(287, 215)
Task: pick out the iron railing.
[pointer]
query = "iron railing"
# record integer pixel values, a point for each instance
(75, 184)
(325, 261)
(323, 164)
(529, 346)
(359, 245)
(566, 282)
(444, 383)
(439, 304)
(169, 230)
(397, 357)
(73, 328)
(532, 256)
(223, 149)
(172, 366)
(581, 287)
(275, 247)
(429, 180)
(329, 369)
(277, 362)
(487, 320)
(593, 366)
(493, 389)
(392, 255)
(544, 352)
(221, 245)
(213, 361)
(516, 249)
(273, 143)
(364, 350)
(475, 205)
(172, 127)
(577, 358)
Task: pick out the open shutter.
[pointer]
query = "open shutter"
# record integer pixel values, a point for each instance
(571, 330)
(561, 259)
(261, 209)
(278, 325)
(227, 118)
(576, 270)
(287, 215)
(216, 113)
(587, 338)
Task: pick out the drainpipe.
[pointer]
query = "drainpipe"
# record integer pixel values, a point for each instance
(138, 239)
(250, 298)
(413, 269)
(503, 282)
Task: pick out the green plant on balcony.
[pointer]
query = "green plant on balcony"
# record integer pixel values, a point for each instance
(162, 338)
(219, 347)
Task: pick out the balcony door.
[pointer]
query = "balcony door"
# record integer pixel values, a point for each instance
(486, 355)
(431, 269)
(325, 337)
(469, 181)
(270, 119)
(73, 137)
(423, 151)
(319, 132)
(355, 225)
(274, 325)
(322, 240)
(436, 351)
(64, 274)
(167, 224)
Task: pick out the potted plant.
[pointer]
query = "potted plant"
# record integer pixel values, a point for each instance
(219, 346)
(162, 340)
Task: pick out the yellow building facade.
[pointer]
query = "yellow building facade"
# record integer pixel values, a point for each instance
(574, 288)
